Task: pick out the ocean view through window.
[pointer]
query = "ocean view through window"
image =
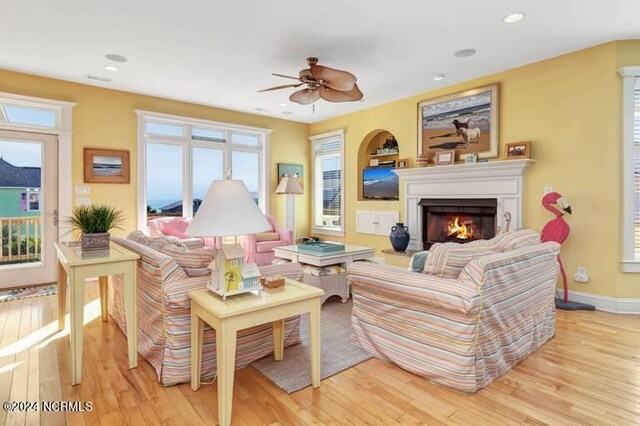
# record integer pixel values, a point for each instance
(182, 157)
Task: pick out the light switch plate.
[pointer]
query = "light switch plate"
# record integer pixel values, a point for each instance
(83, 190)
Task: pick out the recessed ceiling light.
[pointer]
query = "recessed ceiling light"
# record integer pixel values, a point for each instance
(287, 112)
(115, 57)
(513, 18)
(283, 105)
(111, 68)
(465, 53)
(438, 76)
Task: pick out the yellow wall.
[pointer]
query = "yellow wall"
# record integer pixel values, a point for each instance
(570, 108)
(104, 118)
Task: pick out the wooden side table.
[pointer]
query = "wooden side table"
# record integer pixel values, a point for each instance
(245, 311)
(75, 267)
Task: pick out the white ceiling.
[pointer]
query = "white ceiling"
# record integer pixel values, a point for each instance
(220, 53)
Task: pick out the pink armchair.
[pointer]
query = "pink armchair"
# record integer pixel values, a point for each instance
(176, 227)
(261, 252)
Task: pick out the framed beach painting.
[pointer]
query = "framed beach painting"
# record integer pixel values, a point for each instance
(291, 170)
(106, 166)
(466, 122)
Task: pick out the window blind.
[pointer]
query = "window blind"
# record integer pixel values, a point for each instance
(328, 182)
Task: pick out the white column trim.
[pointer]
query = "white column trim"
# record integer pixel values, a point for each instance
(628, 262)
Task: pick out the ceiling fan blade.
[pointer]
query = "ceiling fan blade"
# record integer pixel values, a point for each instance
(337, 96)
(305, 96)
(281, 87)
(334, 79)
(285, 76)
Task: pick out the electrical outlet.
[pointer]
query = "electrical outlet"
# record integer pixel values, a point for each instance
(548, 188)
(581, 275)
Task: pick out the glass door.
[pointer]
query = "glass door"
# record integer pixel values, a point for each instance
(28, 208)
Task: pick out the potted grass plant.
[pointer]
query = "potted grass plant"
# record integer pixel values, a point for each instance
(94, 223)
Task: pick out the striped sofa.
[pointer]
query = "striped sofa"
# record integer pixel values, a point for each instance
(164, 321)
(461, 332)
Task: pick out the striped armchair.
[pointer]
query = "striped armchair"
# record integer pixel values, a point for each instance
(164, 316)
(461, 332)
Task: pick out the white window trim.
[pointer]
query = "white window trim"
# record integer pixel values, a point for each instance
(188, 143)
(332, 231)
(629, 76)
(63, 131)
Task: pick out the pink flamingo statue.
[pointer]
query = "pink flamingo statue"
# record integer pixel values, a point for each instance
(558, 230)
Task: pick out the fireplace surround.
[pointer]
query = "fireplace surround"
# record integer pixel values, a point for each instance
(499, 180)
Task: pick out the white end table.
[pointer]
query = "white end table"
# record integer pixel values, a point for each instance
(244, 311)
(75, 266)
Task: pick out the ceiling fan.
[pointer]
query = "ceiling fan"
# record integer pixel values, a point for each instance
(321, 82)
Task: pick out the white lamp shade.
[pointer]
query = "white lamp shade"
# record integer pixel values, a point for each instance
(227, 210)
(289, 185)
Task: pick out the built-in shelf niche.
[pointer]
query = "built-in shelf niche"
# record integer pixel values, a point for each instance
(367, 152)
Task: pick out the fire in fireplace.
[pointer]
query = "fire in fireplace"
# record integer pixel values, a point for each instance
(457, 220)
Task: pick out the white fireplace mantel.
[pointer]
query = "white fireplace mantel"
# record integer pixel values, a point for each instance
(501, 180)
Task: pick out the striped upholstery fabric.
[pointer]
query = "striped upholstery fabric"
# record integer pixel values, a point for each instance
(194, 262)
(449, 259)
(164, 317)
(516, 239)
(461, 333)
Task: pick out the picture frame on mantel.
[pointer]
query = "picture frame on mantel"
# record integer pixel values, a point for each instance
(106, 166)
(518, 150)
(466, 122)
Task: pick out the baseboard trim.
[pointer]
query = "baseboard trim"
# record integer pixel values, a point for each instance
(606, 303)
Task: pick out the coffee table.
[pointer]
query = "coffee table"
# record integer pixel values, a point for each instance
(333, 284)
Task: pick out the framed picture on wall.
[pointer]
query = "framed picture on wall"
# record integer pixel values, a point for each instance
(466, 122)
(106, 166)
(291, 170)
(518, 150)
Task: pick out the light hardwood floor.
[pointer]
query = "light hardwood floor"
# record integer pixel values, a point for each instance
(588, 374)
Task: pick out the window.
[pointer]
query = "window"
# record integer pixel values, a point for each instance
(31, 201)
(24, 114)
(328, 183)
(631, 169)
(182, 156)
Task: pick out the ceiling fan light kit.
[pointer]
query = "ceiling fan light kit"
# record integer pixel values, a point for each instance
(321, 82)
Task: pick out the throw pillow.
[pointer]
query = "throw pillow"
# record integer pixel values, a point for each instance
(449, 259)
(175, 228)
(516, 239)
(194, 262)
(416, 264)
(267, 236)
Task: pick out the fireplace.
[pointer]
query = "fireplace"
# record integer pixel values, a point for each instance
(459, 220)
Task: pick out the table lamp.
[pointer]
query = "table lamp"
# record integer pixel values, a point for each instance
(229, 210)
(290, 186)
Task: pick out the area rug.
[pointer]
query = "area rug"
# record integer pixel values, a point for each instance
(27, 292)
(337, 353)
